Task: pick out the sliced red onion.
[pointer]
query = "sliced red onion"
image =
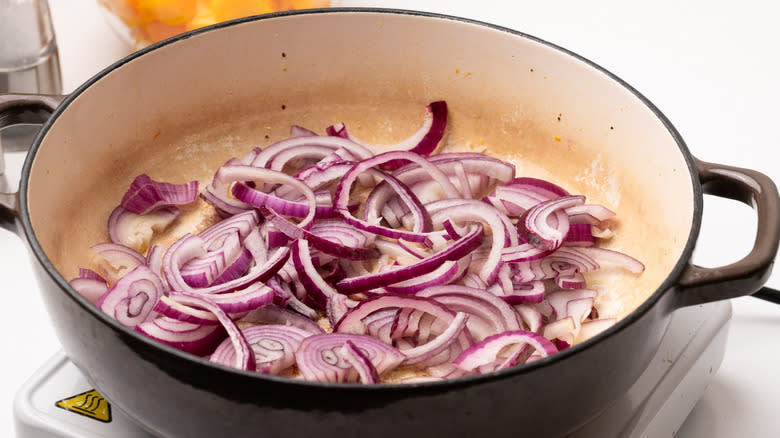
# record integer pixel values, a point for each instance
(319, 357)
(362, 364)
(579, 235)
(439, 344)
(546, 224)
(380, 324)
(562, 329)
(244, 300)
(422, 232)
(244, 356)
(145, 194)
(334, 143)
(495, 313)
(191, 246)
(273, 346)
(424, 141)
(531, 292)
(272, 314)
(524, 252)
(392, 250)
(338, 305)
(242, 223)
(515, 202)
(544, 188)
(90, 288)
(471, 210)
(298, 208)
(192, 338)
(90, 274)
(201, 271)
(530, 316)
(172, 308)
(559, 300)
(136, 230)
(472, 280)
(570, 280)
(352, 322)
(411, 203)
(578, 310)
(487, 350)
(299, 157)
(457, 250)
(418, 251)
(480, 171)
(444, 274)
(154, 257)
(427, 189)
(237, 269)
(227, 175)
(317, 289)
(601, 233)
(284, 296)
(319, 176)
(223, 201)
(593, 214)
(341, 197)
(132, 298)
(331, 237)
(547, 268)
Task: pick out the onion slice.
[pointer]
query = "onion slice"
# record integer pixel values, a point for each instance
(244, 355)
(424, 141)
(362, 364)
(457, 250)
(319, 357)
(273, 347)
(145, 194)
(486, 351)
(192, 338)
(546, 224)
(133, 297)
(332, 247)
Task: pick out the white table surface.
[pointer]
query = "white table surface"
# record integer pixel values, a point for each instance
(711, 66)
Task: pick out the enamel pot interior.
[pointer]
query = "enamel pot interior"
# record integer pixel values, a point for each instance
(181, 109)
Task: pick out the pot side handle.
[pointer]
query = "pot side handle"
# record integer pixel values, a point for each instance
(18, 109)
(699, 285)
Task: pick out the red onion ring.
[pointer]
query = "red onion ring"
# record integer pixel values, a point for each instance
(145, 194)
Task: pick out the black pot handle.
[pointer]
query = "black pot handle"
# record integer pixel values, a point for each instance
(699, 285)
(768, 294)
(18, 109)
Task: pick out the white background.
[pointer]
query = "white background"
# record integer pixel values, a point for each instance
(711, 66)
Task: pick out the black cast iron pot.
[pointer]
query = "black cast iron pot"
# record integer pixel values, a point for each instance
(179, 109)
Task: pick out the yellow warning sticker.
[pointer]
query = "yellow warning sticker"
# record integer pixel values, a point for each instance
(89, 404)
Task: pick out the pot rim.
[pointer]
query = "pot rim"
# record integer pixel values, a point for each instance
(667, 285)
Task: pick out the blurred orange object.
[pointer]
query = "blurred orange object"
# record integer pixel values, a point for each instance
(149, 21)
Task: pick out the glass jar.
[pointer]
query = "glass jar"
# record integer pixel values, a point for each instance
(142, 22)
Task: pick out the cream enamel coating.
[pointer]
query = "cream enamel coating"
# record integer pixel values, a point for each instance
(182, 110)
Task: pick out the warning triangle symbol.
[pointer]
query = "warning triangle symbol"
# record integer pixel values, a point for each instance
(89, 404)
